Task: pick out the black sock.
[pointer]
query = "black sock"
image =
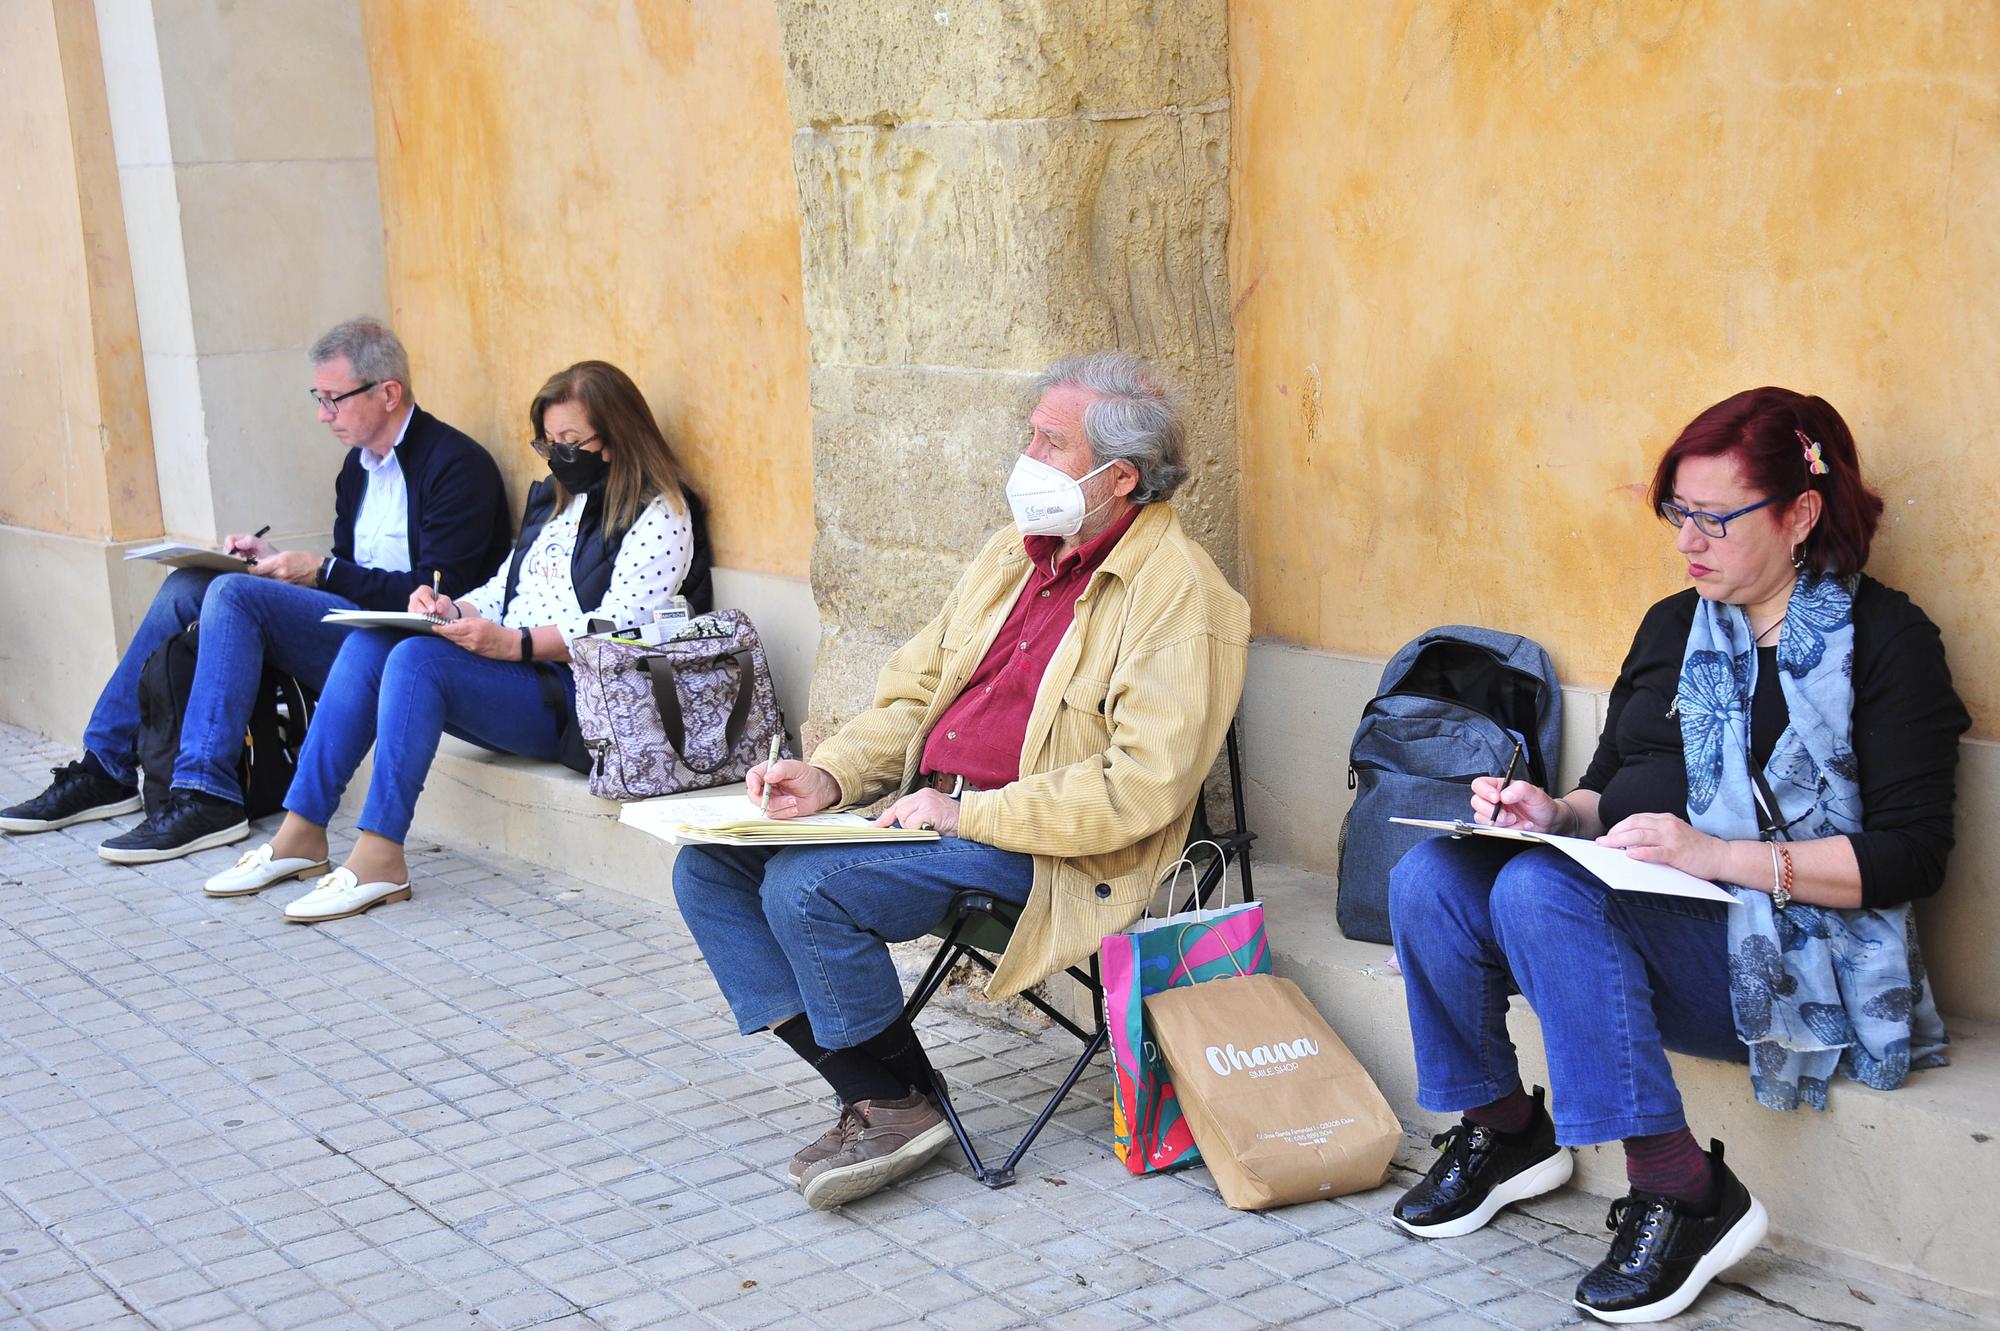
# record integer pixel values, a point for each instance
(853, 1074)
(899, 1050)
(96, 768)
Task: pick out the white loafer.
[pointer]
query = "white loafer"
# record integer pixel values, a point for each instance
(256, 870)
(339, 895)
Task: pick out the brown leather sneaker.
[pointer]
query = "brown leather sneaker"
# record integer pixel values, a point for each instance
(880, 1142)
(827, 1144)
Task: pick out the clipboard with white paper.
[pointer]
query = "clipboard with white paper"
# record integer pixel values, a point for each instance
(1617, 869)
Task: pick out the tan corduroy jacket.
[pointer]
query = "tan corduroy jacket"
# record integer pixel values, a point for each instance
(1127, 723)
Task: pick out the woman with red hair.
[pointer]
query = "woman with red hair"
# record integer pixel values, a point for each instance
(1785, 727)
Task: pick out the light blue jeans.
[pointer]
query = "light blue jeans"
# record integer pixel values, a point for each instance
(246, 623)
(807, 928)
(1615, 978)
(399, 694)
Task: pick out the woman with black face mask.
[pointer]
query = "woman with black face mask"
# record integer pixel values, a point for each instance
(612, 533)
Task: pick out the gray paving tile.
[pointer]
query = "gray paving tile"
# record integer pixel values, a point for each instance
(529, 1101)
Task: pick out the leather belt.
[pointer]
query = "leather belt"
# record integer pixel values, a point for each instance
(949, 784)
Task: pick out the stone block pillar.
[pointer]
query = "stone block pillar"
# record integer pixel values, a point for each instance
(245, 143)
(986, 187)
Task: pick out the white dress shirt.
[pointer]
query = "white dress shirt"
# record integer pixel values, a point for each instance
(382, 526)
(652, 562)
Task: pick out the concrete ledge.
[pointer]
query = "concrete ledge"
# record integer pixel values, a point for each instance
(75, 604)
(540, 813)
(1906, 1180)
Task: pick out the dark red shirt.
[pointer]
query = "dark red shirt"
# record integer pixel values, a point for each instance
(980, 735)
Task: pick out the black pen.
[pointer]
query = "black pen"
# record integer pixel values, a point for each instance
(257, 535)
(1513, 761)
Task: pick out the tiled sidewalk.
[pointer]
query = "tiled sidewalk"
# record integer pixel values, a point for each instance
(514, 1103)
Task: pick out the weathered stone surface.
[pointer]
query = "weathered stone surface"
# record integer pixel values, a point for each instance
(1005, 245)
(910, 470)
(915, 457)
(984, 189)
(979, 59)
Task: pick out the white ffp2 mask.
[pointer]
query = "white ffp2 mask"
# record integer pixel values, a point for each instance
(1047, 501)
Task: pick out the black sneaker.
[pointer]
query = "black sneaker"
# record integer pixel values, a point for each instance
(1481, 1171)
(1665, 1252)
(188, 822)
(80, 793)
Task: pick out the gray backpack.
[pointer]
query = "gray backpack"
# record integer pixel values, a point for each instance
(1452, 705)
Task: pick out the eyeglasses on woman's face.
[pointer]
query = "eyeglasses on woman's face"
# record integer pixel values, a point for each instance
(561, 450)
(1715, 526)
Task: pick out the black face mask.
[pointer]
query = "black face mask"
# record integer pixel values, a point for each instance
(581, 474)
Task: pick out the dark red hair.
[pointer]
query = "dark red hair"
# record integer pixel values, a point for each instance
(1760, 428)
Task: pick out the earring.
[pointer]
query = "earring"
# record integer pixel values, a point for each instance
(1798, 560)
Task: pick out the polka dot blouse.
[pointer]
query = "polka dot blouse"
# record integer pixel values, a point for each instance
(652, 562)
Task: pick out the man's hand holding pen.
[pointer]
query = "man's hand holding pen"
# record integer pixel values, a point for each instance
(251, 548)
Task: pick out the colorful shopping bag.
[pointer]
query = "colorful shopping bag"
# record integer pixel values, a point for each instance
(1148, 1131)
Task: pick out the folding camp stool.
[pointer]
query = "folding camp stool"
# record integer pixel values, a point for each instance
(979, 925)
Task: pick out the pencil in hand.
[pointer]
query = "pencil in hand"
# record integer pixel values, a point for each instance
(764, 806)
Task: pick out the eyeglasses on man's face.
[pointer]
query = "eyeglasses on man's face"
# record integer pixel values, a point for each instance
(1715, 526)
(330, 402)
(561, 450)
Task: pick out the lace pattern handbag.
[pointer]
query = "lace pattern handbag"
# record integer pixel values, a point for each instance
(690, 713)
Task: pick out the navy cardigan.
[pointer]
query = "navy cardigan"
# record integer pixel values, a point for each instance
(458, 518)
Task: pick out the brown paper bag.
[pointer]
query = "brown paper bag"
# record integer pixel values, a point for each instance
(1279, 1107)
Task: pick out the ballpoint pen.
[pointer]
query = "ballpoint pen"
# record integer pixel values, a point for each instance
(1513, 761)
(764, 806)
(257, 535)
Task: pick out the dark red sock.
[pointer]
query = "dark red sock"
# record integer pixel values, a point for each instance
(1669, 1164)
(1511, 1113)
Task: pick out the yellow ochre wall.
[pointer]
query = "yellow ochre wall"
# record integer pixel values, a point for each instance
(1488, 259)
(564, 180)
(78, 457)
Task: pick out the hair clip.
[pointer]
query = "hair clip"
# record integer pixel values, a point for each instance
(1815, 464)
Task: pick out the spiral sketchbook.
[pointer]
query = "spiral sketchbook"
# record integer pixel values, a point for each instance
(734, 820)
(402, 621)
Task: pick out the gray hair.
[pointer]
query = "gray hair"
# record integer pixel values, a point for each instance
(369, 346)
(1134, 418)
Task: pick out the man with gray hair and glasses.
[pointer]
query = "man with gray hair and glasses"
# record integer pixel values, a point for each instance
(415, 501)
(1053, 724)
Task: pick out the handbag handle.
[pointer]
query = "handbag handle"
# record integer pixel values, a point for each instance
(667, 697)
(1186, 861)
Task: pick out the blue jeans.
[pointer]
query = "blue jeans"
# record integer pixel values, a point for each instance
(399, 694)
(246, 623)
(1615, 978)
(807, 928)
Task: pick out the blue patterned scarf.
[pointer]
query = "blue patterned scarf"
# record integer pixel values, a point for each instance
(1812, 988)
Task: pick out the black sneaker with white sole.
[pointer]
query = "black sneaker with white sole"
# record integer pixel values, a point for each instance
(1664, 1251)
(80, 793)
(1481, 1171)
(189, 821)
